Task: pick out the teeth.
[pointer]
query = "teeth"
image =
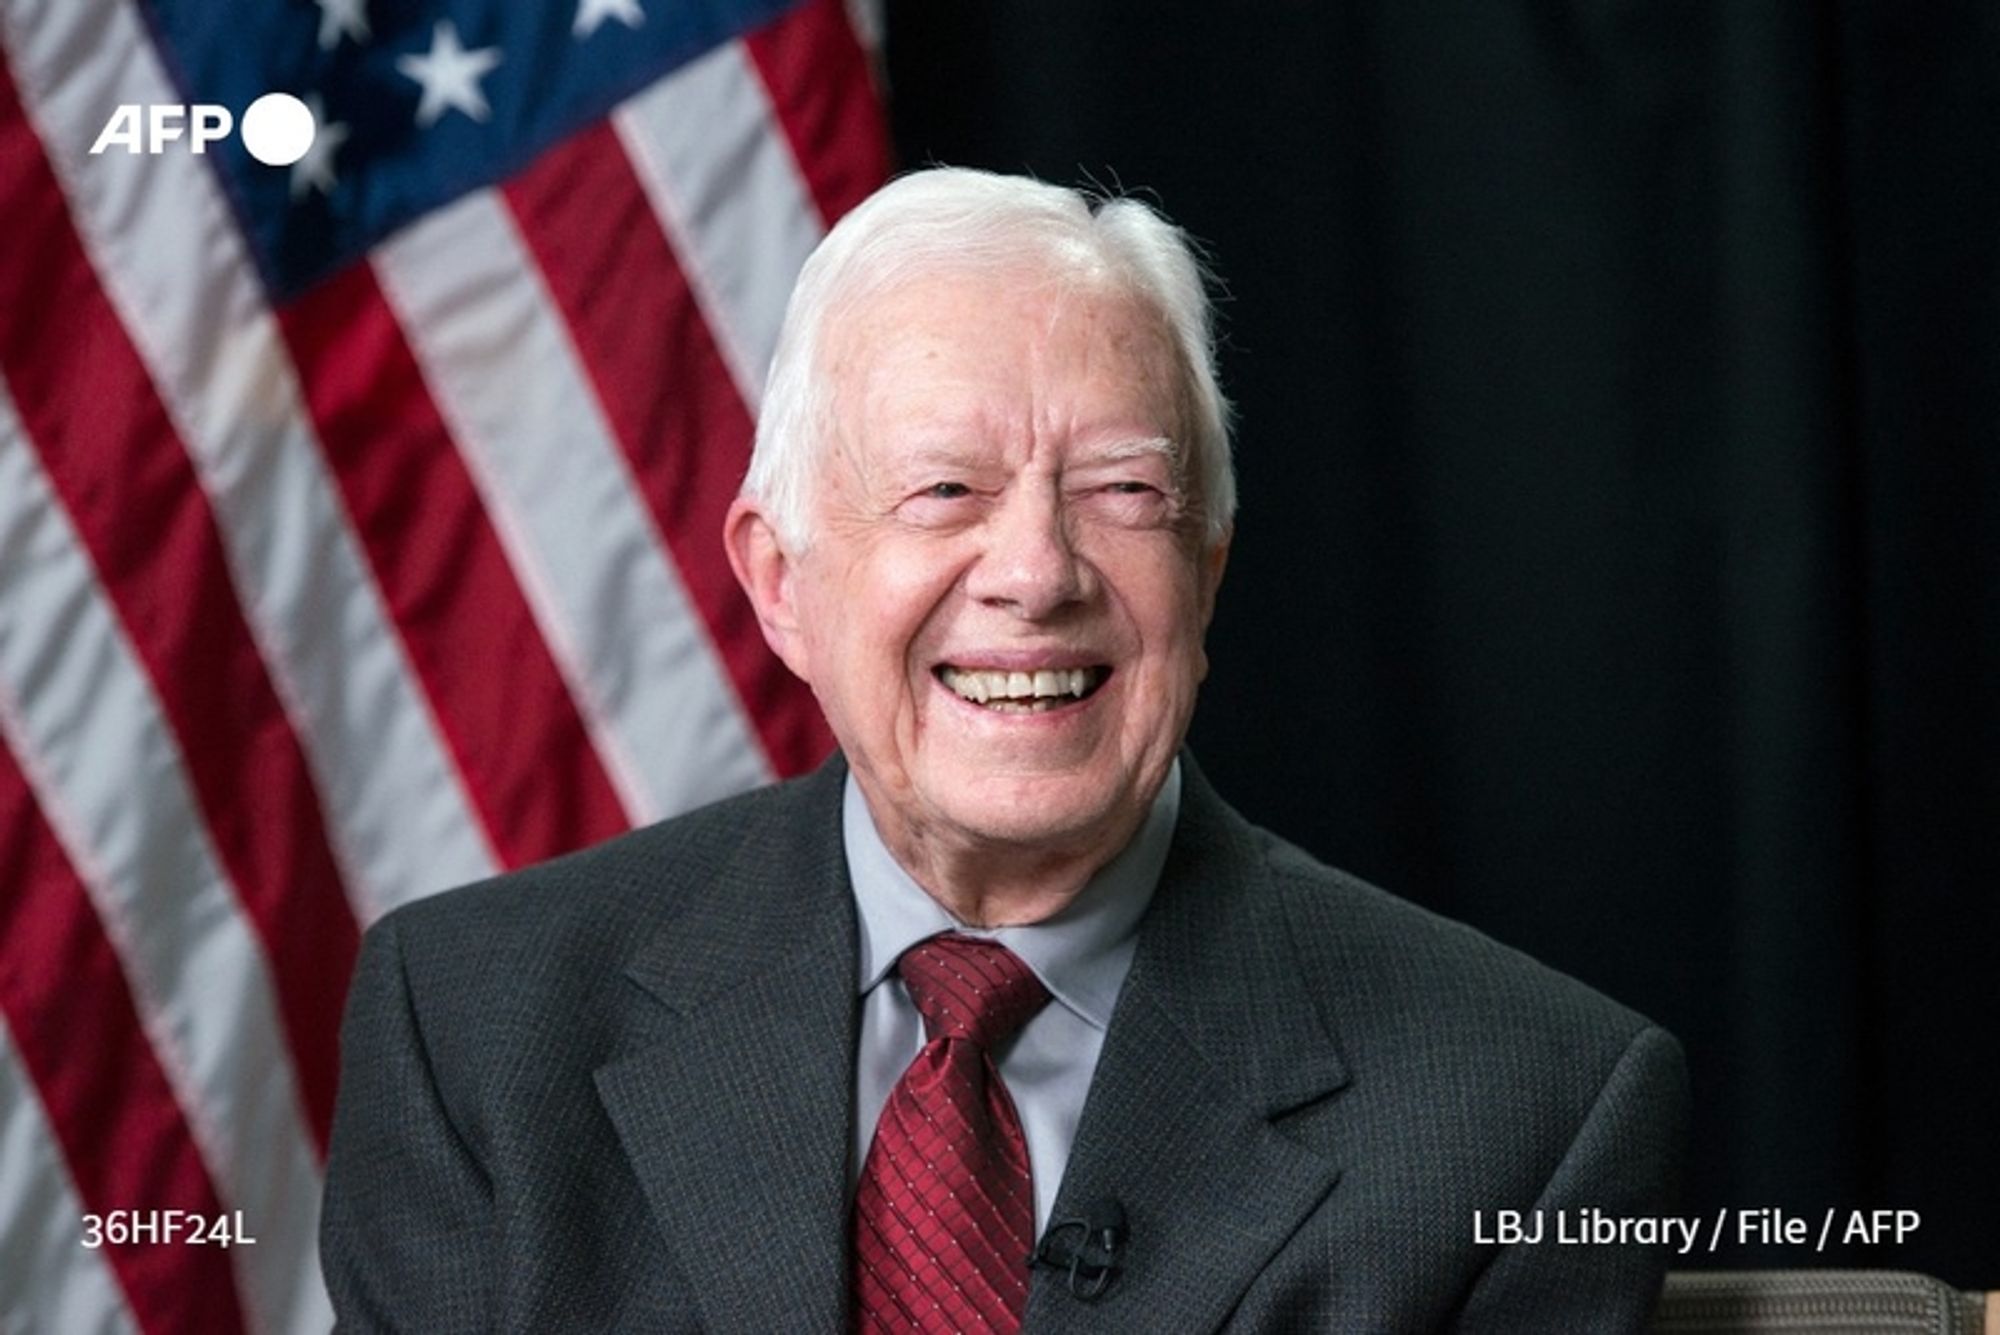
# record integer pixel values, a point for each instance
(1004, 689)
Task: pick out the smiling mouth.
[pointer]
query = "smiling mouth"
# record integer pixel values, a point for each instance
(1022, 692)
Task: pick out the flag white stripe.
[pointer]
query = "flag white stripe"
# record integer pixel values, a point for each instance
(508, 380)
(50, 1281)
(79, 712)
(869, 23)
(170, 259)
(719, 172)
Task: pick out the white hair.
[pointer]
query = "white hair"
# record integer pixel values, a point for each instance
(957, 219)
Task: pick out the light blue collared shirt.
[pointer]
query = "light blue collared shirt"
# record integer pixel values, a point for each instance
(1081, 955)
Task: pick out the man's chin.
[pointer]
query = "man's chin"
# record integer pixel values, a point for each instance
(1057, 811)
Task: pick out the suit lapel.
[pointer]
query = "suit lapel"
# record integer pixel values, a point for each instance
(1213, 1037)
(733, 1098)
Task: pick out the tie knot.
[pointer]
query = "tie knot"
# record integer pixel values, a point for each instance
(971, 989)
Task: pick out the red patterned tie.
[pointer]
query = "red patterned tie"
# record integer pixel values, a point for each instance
(945, 1215)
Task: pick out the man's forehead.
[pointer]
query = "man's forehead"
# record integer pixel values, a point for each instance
(925, 341)
(957, 358)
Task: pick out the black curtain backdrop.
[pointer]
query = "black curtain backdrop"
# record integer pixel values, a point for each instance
(1619, 392)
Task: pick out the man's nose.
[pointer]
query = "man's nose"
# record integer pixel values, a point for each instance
(1030, 563)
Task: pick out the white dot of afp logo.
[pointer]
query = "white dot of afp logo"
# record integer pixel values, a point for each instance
(278, 129)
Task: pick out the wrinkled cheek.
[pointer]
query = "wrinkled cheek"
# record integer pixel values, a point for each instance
(909, 720)
(1158, 713)
(1193, 671)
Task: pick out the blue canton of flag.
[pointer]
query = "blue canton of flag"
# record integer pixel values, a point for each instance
(418, 103)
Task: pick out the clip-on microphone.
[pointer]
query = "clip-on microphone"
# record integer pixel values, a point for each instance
(1086, 1246)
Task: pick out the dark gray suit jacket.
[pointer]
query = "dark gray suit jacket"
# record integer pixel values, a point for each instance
(613, 1092)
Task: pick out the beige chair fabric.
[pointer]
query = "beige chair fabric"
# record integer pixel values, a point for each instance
(1826, 1302)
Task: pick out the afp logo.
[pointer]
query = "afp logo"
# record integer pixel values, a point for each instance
(277, 128)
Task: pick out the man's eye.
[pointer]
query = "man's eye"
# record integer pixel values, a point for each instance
(947, 491)
(1129, 488)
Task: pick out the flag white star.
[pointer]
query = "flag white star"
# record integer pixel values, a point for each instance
(590, 13)
(450, 75)
(315, 171)
(342, 18)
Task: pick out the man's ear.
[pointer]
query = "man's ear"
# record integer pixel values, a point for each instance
(768, 574)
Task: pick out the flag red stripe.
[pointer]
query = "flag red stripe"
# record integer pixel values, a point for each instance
(669, 398)
(123, 473)
(508, 717)
(818, 78)
(74, 1022)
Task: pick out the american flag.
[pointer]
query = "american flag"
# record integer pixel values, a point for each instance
(359, 537)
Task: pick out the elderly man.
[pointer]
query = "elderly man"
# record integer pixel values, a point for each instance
(1006, 971)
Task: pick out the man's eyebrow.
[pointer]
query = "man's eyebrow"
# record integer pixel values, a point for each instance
(1142, 447)
(941, 450)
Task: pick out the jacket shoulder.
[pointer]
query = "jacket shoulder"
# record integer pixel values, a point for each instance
(1404, 984)
(631, 883)
(549, 944)
(1477, 1079)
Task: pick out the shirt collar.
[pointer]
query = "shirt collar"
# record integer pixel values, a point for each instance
(1081, 954)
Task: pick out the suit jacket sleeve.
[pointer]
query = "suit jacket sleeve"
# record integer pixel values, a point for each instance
(1624, 1162)
(405, 1235)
